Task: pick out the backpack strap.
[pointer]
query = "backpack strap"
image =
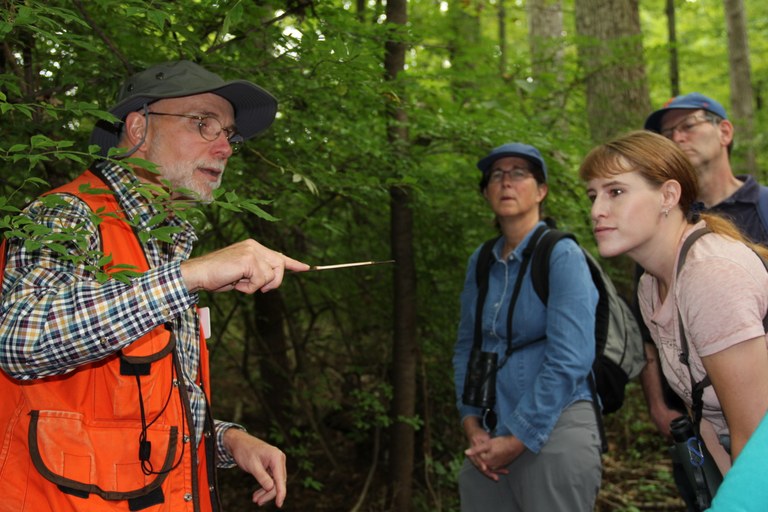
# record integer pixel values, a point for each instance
(697, 388)
(527, 256)
(540, 280)
(541, 257)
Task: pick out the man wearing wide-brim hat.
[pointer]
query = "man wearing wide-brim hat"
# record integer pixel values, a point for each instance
(104, 388)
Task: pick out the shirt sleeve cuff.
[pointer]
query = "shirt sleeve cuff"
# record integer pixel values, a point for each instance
(526, 433)
(224, 459)
(163, 295)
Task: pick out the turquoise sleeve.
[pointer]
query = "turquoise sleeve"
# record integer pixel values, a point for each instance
(745, 487)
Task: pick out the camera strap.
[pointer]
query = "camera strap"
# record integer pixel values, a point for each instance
(486, 252)
(482, 290)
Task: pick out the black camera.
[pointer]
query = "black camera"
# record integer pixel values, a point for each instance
(700, 467)
(480, 381)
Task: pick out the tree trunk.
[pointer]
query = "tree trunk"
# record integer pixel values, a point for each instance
(545, 39)
(404, 353)
(742, 97)
(611, 54)
(464, 37)
(273, 362)
(674, 66)
(501, 16)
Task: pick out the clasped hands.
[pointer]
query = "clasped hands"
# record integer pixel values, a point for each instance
(490, 455)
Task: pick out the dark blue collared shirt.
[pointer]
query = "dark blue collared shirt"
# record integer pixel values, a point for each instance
(742, 209)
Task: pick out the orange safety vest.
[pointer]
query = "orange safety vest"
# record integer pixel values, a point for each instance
(73, 442)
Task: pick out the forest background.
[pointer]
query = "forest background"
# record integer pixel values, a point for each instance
(384, 109)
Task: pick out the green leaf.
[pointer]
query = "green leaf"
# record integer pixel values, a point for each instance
(236, 13)
(5, 207)
(164, 233)
(124, 267)
(75, 158)
(5, 29)
(227, 206)
(103, 116)
(157, 219)
(58, 248)
(87, 189)
(31, 245)
(53, 201)
(157, 17)
(41, 141)
(253, 208)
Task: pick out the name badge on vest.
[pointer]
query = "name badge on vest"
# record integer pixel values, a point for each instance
(205, 321)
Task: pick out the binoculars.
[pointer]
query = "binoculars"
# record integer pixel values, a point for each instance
(700, 467)
(480, 381)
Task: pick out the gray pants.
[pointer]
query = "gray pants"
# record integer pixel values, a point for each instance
(564, 476)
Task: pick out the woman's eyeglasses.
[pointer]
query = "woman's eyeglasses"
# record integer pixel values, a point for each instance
(515, 174)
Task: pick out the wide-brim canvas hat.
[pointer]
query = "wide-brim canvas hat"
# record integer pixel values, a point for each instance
(254, 108)
(518, 149)
(691, 101)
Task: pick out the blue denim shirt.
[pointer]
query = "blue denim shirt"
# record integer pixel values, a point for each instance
(538, 381)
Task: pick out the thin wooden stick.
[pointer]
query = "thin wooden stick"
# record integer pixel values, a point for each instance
(346, 265)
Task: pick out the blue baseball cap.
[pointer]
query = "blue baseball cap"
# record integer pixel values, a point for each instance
(518, 149)
(692, 101)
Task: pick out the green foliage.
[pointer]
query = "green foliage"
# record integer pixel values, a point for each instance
(370, 408)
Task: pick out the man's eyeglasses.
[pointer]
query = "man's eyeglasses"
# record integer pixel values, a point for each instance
(210, 128)
(515, 174)
(687, 125)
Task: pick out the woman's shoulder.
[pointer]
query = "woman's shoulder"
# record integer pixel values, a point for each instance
(716, 262)
(715, 249)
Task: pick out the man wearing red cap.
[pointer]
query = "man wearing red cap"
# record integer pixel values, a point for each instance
(104, 387)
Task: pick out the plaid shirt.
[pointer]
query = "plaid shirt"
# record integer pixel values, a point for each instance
(55, 316)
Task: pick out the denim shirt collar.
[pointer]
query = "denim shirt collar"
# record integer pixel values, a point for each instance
(517, 252)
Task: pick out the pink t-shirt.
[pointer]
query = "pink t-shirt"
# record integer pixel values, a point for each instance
(722, 295)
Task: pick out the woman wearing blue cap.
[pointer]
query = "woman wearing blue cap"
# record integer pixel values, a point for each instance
(536, 446)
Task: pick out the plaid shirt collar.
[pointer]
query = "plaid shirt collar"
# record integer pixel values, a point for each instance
(142, 214)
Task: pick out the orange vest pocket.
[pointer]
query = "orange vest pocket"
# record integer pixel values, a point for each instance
(101, 457)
